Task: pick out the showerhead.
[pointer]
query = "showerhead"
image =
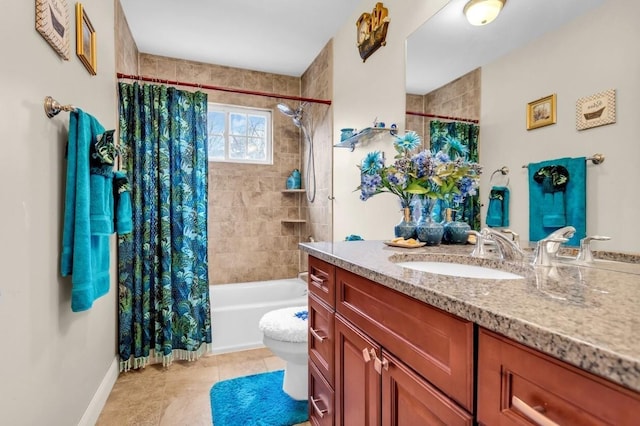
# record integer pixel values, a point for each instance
(296, 115)
(286, 110)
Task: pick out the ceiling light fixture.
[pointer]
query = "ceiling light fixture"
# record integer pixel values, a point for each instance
(482, 12)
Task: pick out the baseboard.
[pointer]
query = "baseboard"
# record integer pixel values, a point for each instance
(91, 414)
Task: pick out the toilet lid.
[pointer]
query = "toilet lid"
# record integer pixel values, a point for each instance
(286, 324)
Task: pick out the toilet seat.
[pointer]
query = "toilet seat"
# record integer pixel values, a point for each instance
(284, 325)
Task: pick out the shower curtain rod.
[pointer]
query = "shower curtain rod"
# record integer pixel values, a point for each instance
(222, 89)
(445, 117)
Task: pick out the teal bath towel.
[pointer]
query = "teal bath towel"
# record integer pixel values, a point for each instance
(85, 255)
(498, 211)
(557, 197)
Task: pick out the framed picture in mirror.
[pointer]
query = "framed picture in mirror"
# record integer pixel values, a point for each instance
(85, 40)
(596, 110)
(541, 112)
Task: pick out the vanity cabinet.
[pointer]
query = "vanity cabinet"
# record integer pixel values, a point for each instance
(379, 357)
(521, 386)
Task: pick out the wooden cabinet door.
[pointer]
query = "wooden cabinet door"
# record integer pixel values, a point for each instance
(409, 400)
(357, 384)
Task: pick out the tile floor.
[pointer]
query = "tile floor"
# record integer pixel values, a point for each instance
(179, 395)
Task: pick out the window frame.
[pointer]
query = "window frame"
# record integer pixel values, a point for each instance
(228, 109)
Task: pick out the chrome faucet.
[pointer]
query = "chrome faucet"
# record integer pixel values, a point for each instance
(542, 255)
(507, 247)
(585, 254)
(552, 246)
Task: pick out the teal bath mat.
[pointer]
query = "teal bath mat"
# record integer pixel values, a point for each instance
(255, 400)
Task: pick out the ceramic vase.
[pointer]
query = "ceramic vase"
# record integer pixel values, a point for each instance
(455, 231)
(428, 230)
(406, 228)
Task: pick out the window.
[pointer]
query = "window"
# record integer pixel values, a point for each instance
(239, 135)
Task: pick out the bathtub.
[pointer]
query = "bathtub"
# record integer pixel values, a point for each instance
(236, 310)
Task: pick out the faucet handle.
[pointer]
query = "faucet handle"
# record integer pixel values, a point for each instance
(478, 250)
(585, 254)
(514, 235)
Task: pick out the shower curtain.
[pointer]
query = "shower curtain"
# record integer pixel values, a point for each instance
(459, 140)
(162, 265)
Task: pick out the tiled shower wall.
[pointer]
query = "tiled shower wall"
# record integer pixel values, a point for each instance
(459, 98)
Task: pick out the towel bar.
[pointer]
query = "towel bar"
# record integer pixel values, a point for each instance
(53, 107)
(595, 159)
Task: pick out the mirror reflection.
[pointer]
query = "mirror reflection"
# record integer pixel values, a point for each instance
(534, 49)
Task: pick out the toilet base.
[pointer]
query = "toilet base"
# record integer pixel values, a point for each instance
(295, 382)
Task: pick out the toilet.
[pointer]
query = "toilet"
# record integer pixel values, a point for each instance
(285, 334)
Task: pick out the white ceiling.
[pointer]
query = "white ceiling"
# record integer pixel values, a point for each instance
(276, 36)
(447, 46)
(285, 36)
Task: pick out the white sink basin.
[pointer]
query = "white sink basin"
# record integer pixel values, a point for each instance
(460, 270)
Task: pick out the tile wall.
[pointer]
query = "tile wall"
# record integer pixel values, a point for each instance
(459, 98)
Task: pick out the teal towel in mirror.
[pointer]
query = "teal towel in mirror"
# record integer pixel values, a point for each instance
(498, 211)
(557, 197)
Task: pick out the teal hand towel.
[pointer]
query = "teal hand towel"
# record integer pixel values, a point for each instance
(498, 210)
(122, 195)
(84, 256)
(554, 204)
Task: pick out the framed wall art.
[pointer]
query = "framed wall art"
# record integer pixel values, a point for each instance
(85, 40)
(52, 22)
(541, 112)
(596, 110)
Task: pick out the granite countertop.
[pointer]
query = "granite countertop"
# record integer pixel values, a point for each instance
(588, 316)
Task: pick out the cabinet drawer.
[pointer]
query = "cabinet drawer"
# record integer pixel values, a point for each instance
(320, 399)
(321, 337)
(512, 377)
(322, 280)
(439, 346)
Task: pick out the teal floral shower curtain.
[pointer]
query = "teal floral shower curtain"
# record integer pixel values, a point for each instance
(162, 265)
(459, 140)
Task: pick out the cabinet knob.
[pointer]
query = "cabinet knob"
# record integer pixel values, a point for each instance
(381, 364)
(368, 354)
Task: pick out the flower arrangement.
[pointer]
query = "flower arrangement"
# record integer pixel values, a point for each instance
(436, 176)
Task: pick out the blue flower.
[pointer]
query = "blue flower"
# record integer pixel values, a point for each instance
(372, 163)
(410, 141)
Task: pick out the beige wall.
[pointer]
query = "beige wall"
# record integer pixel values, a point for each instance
(593, 53)
(362, 92)
(247, 241)
(53, 362)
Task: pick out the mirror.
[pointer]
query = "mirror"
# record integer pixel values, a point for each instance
(447, 46)
(579, 49)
